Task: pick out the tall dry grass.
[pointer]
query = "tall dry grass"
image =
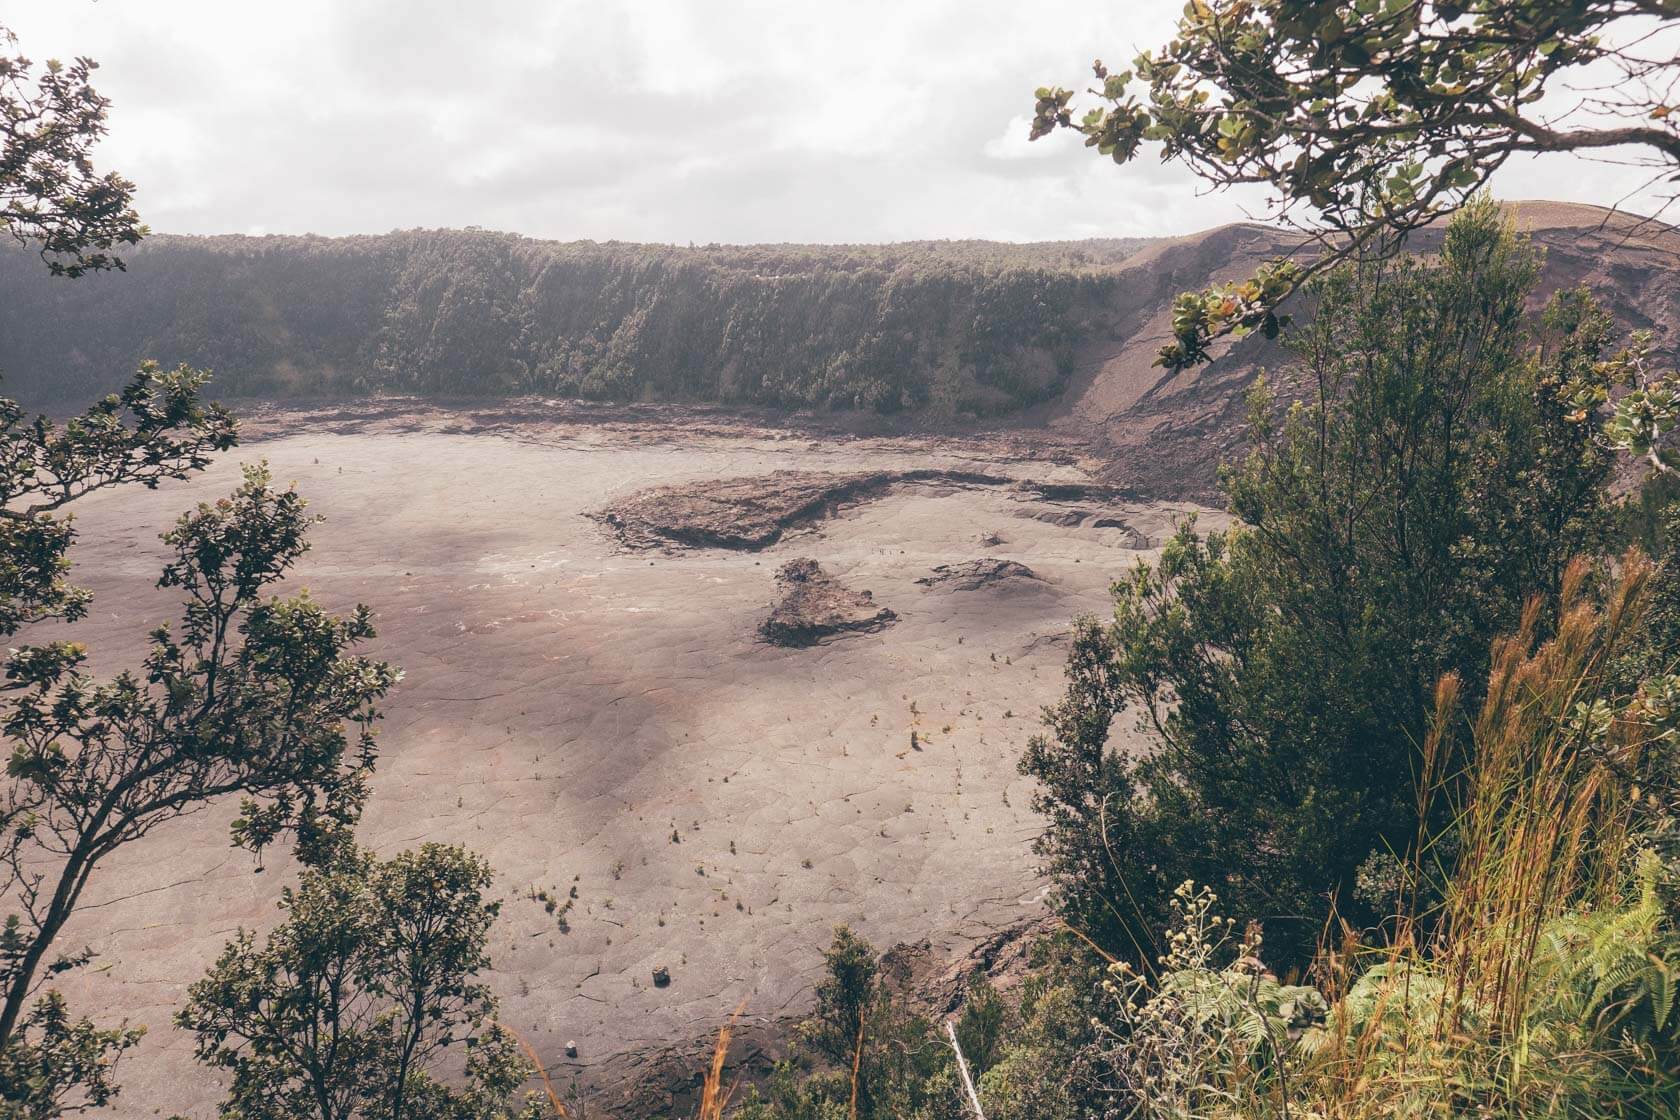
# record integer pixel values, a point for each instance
(1448, 1020)
(714, 1098)
(1549, 807)
(550, 1095)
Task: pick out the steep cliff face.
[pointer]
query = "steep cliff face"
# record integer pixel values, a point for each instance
(950, 328)
(1058, 336)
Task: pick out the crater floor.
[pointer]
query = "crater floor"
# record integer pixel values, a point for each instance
(583, 714)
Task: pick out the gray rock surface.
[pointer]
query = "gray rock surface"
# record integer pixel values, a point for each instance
(753, 513)
(972, 575)
(815, 606)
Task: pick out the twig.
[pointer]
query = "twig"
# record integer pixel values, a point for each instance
(857, 1064)
(962, 1068)
(548, 1086)
(713, 1097)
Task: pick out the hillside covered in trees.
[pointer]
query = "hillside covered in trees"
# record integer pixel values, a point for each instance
(959, 327)
(942, 330)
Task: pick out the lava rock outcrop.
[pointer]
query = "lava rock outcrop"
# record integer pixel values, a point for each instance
(815, 606)
(753, 512)
(972, 575)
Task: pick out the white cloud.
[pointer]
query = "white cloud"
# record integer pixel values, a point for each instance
(669, 120)
(1012, 142)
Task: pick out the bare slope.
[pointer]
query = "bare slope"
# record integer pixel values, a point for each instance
(1165, 433)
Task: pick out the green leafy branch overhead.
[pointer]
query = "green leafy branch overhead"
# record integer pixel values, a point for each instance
(50, 193)
(1367, 119)
(1648, 411)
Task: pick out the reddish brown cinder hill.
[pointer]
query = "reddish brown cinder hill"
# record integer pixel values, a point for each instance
(1164, 434)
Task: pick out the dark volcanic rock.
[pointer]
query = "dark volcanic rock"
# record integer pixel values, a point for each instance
(1061, 516)
(1081, 517)
(814, 606)
(753, 512)
(1133, 538)
(972, 575)
(1076, 491)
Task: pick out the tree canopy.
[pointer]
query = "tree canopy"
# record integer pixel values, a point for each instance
(258, 698)
(1390, 526)
(51, 195)
(349, 1008)
(250, 697)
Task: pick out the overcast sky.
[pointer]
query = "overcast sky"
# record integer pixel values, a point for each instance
(707, 120)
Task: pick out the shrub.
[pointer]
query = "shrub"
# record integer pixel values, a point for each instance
(347, 1010)
(1390, 524)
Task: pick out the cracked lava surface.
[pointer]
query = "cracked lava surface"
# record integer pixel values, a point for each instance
(588, 716)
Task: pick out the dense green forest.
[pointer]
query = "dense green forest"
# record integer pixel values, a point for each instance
(961, 327)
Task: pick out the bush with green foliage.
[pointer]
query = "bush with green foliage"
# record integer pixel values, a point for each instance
(1048, 1069)
(1544, 982)
(251, 697)
(365, 1002)
(1537, 976)
(862, 1054)
(51, 197)
(1213, 1031)
(1389, 525)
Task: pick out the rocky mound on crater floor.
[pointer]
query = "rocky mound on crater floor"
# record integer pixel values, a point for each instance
(972, 575)
(815, 606)
(754, 511)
